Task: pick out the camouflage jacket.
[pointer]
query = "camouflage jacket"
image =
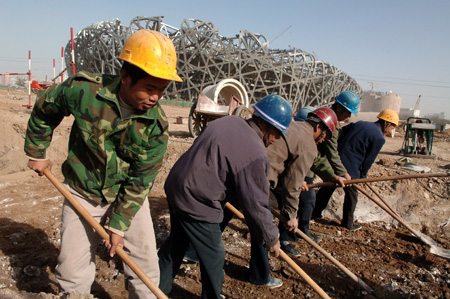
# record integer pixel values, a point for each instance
(328, 162)
(110, 159)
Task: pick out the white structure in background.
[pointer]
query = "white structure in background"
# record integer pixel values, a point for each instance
(410, 112)
(416, 111)
(372, 103)
(437, 115)
(5, 79)
(206, 57)
(375, 102)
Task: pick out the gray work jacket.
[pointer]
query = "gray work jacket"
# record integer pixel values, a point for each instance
(227, 160)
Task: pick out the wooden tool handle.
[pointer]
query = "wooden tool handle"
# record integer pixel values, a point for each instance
(287, 259)
(101, 231)
(379, 179)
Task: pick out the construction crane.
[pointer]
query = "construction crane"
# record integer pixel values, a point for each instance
(280, 34)
(372, 84)
(416, 110)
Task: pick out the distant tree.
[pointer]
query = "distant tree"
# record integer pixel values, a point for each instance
(21, 81)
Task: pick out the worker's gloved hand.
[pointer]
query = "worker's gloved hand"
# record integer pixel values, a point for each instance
(275, 249)
(292, 224)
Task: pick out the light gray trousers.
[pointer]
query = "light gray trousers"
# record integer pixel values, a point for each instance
(75, 270)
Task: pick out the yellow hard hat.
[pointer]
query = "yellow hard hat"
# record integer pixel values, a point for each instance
(153, 52)
(389, 116)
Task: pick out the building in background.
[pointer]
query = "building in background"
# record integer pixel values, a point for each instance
(377, 101)
(5, 79)
(436, 115)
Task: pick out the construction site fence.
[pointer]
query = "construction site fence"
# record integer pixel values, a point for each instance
(13, 88)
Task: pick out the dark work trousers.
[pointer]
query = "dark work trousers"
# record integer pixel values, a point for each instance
(259, 269)
(306, 207)
(285, 235)
(323, 196)
(350, 200)
(207, 241)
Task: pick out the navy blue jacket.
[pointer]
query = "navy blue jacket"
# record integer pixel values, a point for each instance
(359, 145)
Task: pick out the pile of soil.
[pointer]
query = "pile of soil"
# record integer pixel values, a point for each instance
(383, 254)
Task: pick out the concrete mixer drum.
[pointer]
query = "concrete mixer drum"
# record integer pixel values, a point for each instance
(228, 97)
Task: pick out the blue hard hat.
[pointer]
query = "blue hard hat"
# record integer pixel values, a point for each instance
(274, 110)
(349, 100)
(302, 114)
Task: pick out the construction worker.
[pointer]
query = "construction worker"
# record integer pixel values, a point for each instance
(290, 159)
(228, 160)
(307, 196)
(328, 165)
(358, 146)
(116, 148)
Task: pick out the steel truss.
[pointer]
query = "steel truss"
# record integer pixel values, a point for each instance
(205, 57)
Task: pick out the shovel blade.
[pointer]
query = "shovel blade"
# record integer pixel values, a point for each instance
(424, 238)
(434, 249)
(441, 252)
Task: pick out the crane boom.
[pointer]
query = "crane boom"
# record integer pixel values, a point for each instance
(416, 110)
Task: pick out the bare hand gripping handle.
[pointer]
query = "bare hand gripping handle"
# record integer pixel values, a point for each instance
(101, 231)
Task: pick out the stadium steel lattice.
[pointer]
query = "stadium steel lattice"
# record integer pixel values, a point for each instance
(205, 57)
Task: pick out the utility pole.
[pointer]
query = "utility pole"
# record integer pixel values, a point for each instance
(371, 86)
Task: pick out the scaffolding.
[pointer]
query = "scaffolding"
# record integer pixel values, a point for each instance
(205, 57)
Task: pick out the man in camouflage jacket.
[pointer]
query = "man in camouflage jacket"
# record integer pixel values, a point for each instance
(116, 147)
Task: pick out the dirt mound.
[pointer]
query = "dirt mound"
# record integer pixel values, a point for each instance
(383, 253)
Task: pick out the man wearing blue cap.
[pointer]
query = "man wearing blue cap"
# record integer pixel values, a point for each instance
(227, 161)
(290, 160)
(328, 165)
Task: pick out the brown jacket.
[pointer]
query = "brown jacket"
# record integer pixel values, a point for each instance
(290, 159)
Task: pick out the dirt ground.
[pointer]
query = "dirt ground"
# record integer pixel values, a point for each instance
(383, 254)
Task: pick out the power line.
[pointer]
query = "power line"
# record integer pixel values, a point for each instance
(445, 82)
(414, 84)
(426, 97)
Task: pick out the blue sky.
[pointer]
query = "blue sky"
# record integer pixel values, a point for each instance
(400, 45)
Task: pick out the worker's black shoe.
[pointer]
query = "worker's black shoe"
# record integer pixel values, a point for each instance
(316, 217)
(355, 227)
(315, 238)
(289, 249)
(272, 283)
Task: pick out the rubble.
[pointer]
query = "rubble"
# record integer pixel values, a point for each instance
(383, 253)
